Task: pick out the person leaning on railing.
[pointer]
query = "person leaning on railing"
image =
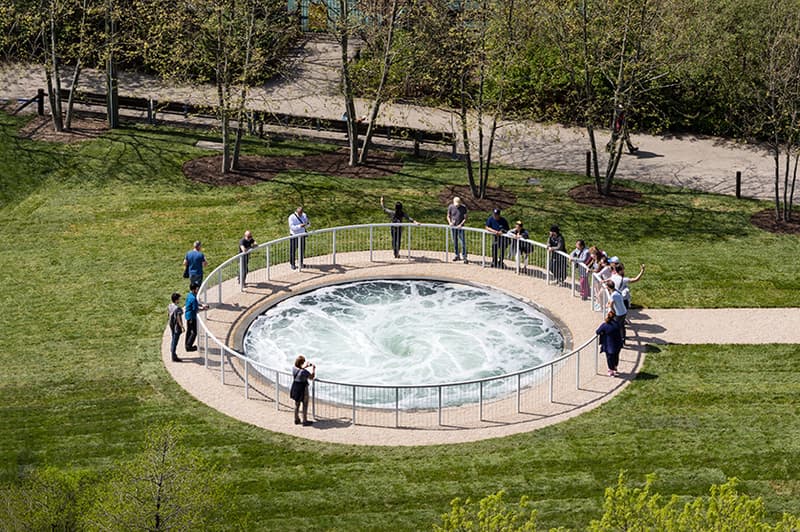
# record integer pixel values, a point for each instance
(398, 216)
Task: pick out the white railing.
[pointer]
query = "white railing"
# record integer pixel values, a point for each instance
(505, 398)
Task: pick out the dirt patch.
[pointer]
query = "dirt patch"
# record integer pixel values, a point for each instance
(495, 197)
(766, 221)
(620, 196)
(258, 169)
(41, 128)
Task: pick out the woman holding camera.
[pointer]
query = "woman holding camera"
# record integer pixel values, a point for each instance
(301, 373)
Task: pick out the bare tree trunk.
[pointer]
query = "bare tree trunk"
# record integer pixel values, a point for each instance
(462, 113)
(53, 75)
(240, 115)
(387, 64)
(347, 85)
(75, 75)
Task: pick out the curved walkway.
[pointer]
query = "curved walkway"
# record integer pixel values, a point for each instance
(570, 312)
(649, 326)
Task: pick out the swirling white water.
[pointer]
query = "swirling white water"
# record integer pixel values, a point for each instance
(404, 332)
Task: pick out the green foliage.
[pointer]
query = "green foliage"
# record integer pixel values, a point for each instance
(490, 514)
(44, 500)
(725, 509)
(166, 487)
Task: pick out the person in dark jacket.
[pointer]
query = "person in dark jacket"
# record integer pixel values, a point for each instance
(398, 216)
(299, 391)
(610, 342)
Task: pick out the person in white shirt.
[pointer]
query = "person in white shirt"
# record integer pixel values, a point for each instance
(622, 283)
(617, 304)
(298, 227)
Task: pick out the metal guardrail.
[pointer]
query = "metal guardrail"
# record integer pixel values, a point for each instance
(504, 398)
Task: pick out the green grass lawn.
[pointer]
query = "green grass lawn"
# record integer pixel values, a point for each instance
(92, 236)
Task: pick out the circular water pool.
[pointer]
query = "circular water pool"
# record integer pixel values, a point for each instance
(404, 332)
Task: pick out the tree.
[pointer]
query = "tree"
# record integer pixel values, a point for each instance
(232, 43)
(164, 488)
(44, 499)
(759, 80)
(490, 514)
(615, 51)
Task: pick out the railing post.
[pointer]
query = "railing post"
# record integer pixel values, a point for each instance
(483, 249)
(519, 392)
(578, 370)
(241, 272)
(222, 366)
(397, 408)
(370, 242)
(246, 379)
(219, 286)
(480, 402)
(547, 267)
(439, 390)
(572, 273)
(267, 257)
(447, 244)
(517, 257)
(408, 239)
(314, 399)
(333, 246)
(596, 355)
(354, 405)
(552, 376)
(277, 390)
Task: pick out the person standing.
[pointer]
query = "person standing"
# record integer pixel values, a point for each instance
(580, 255)
(517, 235)
(456, 218)
(298, 227)
(175, 313)
(191, 308)
(246, 243)
(623, 283)
(193, 262)
(299, 390)
(617, 304)
(558, 262)
(398, 216)
(610, 337)
(498, 226)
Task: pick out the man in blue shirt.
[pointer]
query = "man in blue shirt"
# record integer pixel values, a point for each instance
(498, 226)
(192, 307)
(194, 262)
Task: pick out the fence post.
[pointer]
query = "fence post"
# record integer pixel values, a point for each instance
(480, 402)
(588, 164)
(354, 405)
(150, 111)
(397, 408)
(552, 376)
(572, 275)
(408, 239)
(267, 256)
(219, 286)
(222, 366)
(738, 185)
(447, 244)
(313, 399)
(578, 370)
(370, 242)
(40, 102)
(439, 390)
(277, 390)
(483, 249)
(242, 258)
(547, 267)
(333, 246)
(519, 392)
(246, 379)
